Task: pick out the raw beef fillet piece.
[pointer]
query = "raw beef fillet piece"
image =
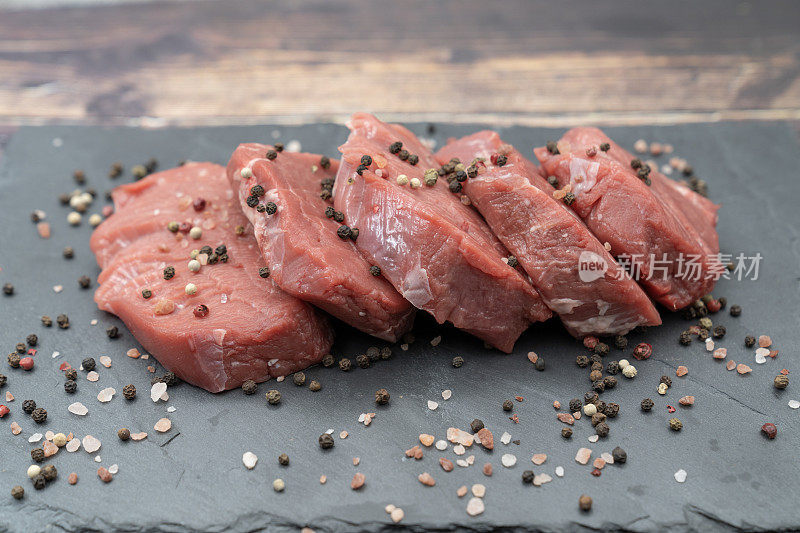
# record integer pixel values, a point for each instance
(698, 212)
(549, 240)
(305, 256)
(250, 329)
(664, 250)
(436, 251)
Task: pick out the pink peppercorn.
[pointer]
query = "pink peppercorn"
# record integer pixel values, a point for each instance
(642, 351)
(590, 342)
(769, 430)
(713, 306)
(4, 411)
(26, 363)
(185, 227)
(199, 204)
(201, 311)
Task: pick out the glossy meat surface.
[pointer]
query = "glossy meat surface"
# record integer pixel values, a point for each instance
(253, 330)
(436, 251)
(305, 256)
(550, 241)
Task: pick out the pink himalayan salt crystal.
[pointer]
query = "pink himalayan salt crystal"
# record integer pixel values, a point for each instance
(77, 408)
(91, 444)
(105, 361)
(583, 455)
(730, 365)
(163, 425)
(15, 428)
(73, 445)
(164, 306)
(138, 436)
(49, 448)
(539, 458)
(720, 353)
(93, 376)
(459, 436)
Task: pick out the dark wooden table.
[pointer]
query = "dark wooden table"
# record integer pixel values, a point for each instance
(537, 63)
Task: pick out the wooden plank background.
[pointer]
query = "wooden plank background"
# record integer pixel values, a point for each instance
(510, 61)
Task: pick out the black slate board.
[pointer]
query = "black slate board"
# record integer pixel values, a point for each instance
(192, 478)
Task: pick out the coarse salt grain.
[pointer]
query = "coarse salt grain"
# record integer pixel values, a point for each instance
(113, 469)
(105, 361)
(441, 445)
(36, 437)
(742, 368)
(458, 449)
(560, 471)
(163, 425)
(479, 490)
(16, 429)
(396, 515)
(730, 365)
(447, 394)
(761, 355)
(58, 288)
(720, 353)
(680, 475)
(133, 353)
(77, 408)
(9, 397)
(432, 405)
(508, 460)
(171, 409)
(583, 455)
(709, 344)
(475, 506)
(91, 444)
(505, 438)
(608, 458)
(157, 391)
(98, 459)
(92, 376)
(794, 404)
(436, 340)
(56, 354)
(593, 438)
(541, 479)
(343, 434)
(462, 463)
(138, 436)
(73, 445)
(249, 459)
(539, 458)
(461, 491)
(106, 394)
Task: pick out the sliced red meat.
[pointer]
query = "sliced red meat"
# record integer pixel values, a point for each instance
(436, 251)
(666, 253)
(695, 211)
(550, 241)
(300, 245)
(252, 329)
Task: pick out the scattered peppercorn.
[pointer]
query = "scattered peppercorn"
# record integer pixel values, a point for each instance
(324, 162)
(28, 406)
(124, 434)
(17, 492)
(47, 321)
(314, 386)
(675, 424)
(566, 432)
(146, 294)
(299, 379)
(609, 382)
(685, 338)
(476, 425)
(375, 270)
(552, 147)
(37, 454)
(585, 502)
(273, 397)
(610, 409)
(3, 379)
(88, 364)
(508, 405)
(382, 397)
(403, 155)
(647, 404)
(129, 391)
(413, 159)
(582, 361)
(769, 430)
(271, 154)
(39, 415)
(736, 310)
(527, 477)
(590, 397)
(283, 459)
(719, 332)
(575, 405)
(170, 379)
(201, 311)
(71, 374)
(8, 289)
(70, 386)
(326, 441)
(49, 472)
(362, 360)
(249, 387)
(39, 482)
(619, 455)
(602, 429)
(328, 361)
(345, 364)
(539, 364)
(666, 380)
(781, 381)
(458, 361)
(749, 341)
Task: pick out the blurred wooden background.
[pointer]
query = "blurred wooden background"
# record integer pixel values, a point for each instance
(501, 61)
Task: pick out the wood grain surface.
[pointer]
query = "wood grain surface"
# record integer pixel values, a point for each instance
(503, 61)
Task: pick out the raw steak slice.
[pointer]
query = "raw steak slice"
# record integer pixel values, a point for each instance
(299, 242)
(550, 241)
(696, 212)
(668, 257)
(253, 330)
(437, 252)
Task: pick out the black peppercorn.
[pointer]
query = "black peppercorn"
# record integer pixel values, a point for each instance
(21, 348)
(129, 391)
(552, 147)
(666, 380)
(39, 415)
(37, 454)
(675, 424)
(283, 459)
(71, 374)
(252, 201)
(8, 289)
(70, 386)
(271, 154)
(326, 441)
(314, 386)
(596, 366)
(249, 387)
(575, 405)
(595, 375)
(88, 364)
(146, 294)
(257, 190)
(719, 332)
(382, 397)
(362, 360)
(612, 367)
(47, 321)
(413, 159)
(386, 352)
(598, 385)
(610, 382)
(620, 342)
(685, 338)
(273, 397)
(84, 282)
(508, 405)
(582, 361)
(374, 353)
(299, 379)
(263, 272)
(539, 364)
(124, 434)
(375, 270)
(781, 381)
(403, 155)
(611, 409)
(619, 455)
(590, 397)
(17, 492)
(458, 361)
(597, 418)
(647, 404)
(28, 406)
(476, 425)
(749, 341)
(601, 349)
(736, 310)
(169, 272)
(345, 364)
(395, 147)
(324, 162)
(49, 472)
(366, 160)
(39, 482)
(32, 339)
(455, 187)
(566, 433)
(3, 379)
(602, 429)
(527, 477)
(328, 361)
(112, 332)
(343, 232)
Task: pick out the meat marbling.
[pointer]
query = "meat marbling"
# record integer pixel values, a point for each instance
(436, 251)
(550, 241)
(253, 330)
(300, 245)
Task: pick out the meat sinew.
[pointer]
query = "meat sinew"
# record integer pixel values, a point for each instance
(436, 251)
(549, 241)
(300, 244)
(248, 329)
(672, 255)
